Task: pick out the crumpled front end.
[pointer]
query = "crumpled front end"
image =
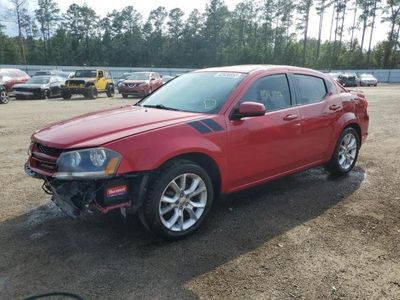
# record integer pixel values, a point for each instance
(79, 195)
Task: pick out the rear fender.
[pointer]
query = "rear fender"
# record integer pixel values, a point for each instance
(345, 120)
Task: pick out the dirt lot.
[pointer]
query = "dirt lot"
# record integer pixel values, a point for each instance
(306, 236)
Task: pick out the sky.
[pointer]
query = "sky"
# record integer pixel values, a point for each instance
(144, 7)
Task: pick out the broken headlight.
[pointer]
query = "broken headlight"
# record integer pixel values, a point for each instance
(87, 163)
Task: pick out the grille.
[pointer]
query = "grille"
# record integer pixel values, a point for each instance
(48, 151)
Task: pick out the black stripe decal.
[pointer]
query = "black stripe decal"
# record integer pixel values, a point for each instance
(213, 125)
(199, 127)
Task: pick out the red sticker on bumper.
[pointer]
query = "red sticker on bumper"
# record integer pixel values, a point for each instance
(116, 191)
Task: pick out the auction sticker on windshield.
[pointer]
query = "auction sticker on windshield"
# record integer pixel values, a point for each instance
(228, 75)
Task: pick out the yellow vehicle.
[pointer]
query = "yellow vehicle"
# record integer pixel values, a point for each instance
(89, 83)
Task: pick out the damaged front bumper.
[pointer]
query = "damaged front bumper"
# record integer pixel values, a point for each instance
(77, 197)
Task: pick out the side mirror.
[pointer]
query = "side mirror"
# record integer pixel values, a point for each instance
(249, 109)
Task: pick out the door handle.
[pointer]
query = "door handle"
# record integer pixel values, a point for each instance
(290, 117)
(334, 107)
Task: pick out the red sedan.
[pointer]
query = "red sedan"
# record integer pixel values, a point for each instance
(10, 77)
(206, 133)
(140, 84)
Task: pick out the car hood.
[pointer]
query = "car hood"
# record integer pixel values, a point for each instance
(29, 85)
(87, 79)
(135, 81)
(95, 129)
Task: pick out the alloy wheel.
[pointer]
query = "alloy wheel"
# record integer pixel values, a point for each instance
(3, 97)
(347, 151)
(183, 202)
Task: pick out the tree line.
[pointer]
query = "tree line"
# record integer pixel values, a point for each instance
(265, 31)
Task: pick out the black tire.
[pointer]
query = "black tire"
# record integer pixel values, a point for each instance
(45, 94)
(91, 92)
(150, 211)
(66, 95)
(124, 96)
(334, 166)
(4, 99)
(110, 91)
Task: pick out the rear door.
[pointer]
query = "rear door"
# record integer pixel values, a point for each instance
(320, 107)
(261, 147)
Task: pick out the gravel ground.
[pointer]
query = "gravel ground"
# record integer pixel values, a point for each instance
(306, 236)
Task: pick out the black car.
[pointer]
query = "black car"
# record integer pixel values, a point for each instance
(4, 99)
(348, 80)
(39, 87)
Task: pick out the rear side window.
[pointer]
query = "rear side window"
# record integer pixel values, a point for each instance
(272, 91)
(312, 89)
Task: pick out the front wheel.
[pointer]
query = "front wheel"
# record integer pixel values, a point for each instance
(346, 152)
(4, 97)
(45, 95)
(91, 92)
(178, 200)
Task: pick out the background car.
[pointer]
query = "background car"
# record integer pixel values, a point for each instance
(334, 75)
(89, 83)
(140, 84)
(349, 79)
(10, 77)
(122, 78)
(53, 72)
(368, 79)
(39, 87)
(4, 99)
(167, 78)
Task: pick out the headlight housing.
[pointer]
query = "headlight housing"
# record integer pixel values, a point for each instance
(88, 163)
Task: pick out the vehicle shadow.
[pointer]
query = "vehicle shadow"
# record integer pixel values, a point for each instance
(108, 257)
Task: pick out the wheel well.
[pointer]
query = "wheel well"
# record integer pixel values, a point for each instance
(208, 164)
(357, 128)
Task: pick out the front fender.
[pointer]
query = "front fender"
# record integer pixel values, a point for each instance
(149, 150)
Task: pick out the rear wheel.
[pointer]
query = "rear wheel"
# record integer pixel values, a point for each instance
(178, 200)
(346, 152)
(66, 95)
(4, 97)
(110, 91)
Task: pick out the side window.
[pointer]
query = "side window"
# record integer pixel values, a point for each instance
(331, 86)
(312, 89)
(272, 91)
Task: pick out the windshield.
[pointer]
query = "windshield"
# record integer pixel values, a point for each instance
(7, 73)
(39, 80)
(85, 73)
(139, 76)
(202, 92)
(366, 76)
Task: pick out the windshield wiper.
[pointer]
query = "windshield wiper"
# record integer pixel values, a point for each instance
(161, 106)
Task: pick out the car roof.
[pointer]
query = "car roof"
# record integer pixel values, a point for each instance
(255, 68)
(45, 76)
